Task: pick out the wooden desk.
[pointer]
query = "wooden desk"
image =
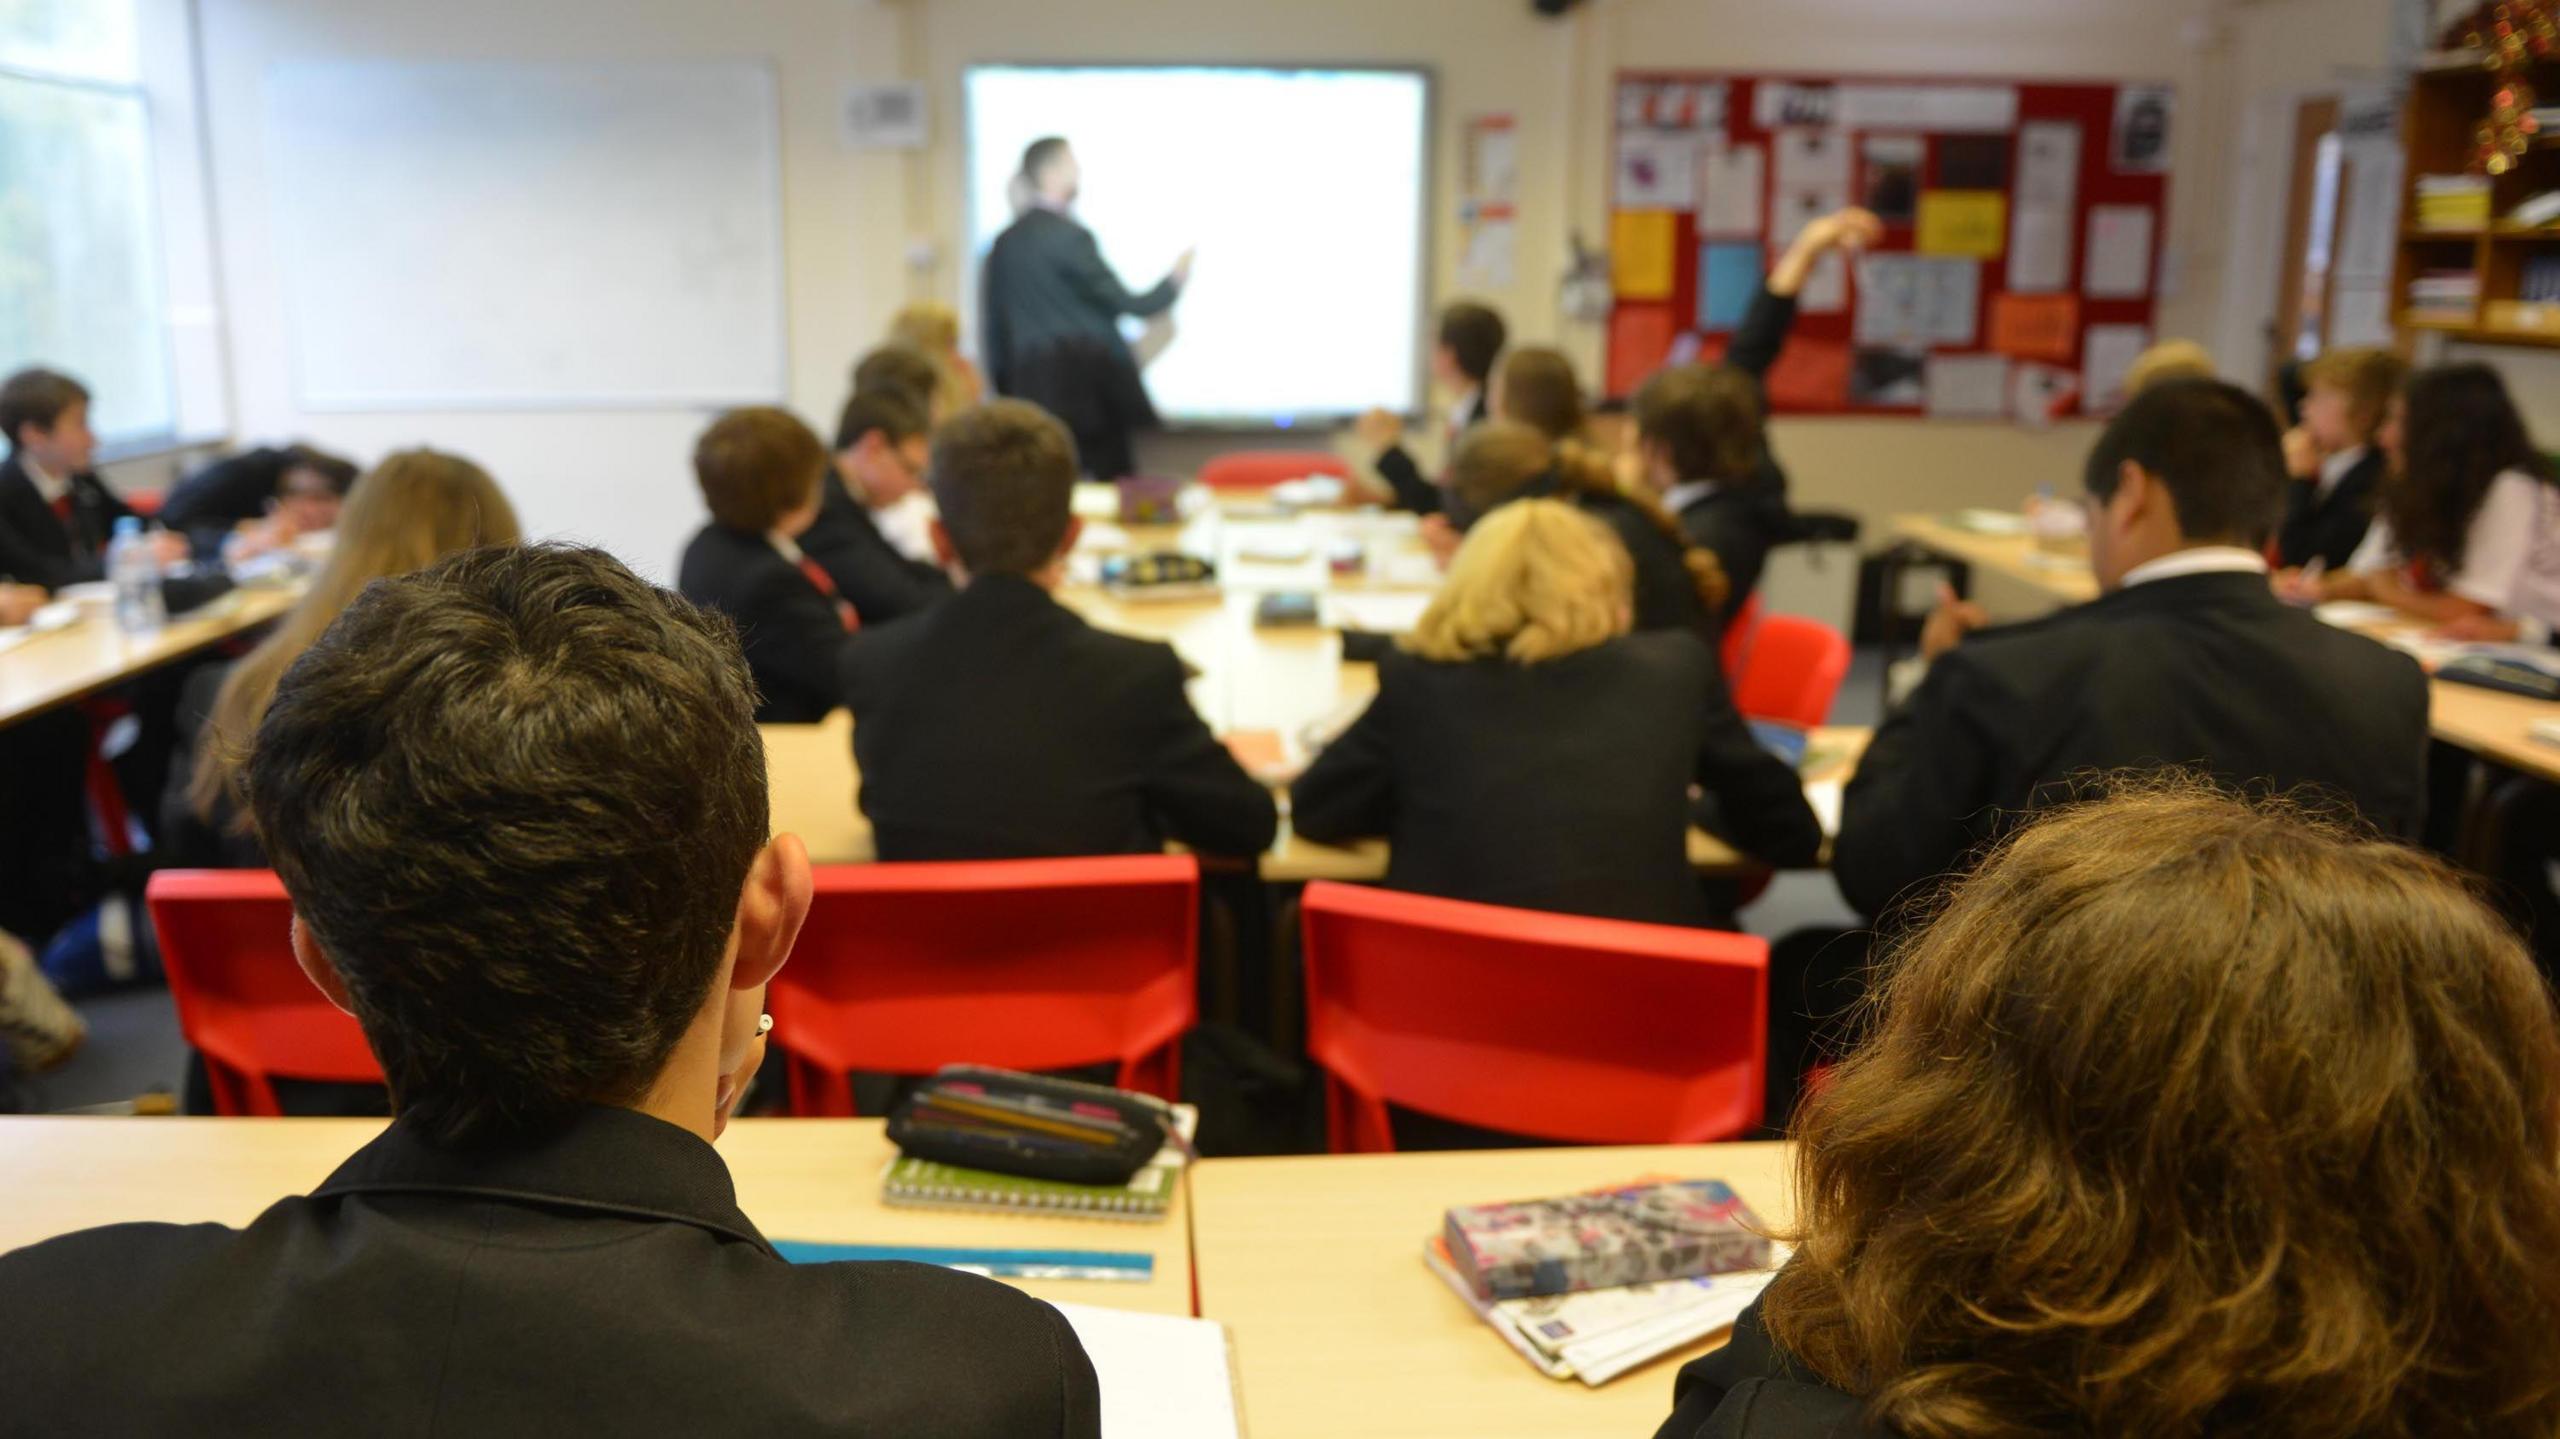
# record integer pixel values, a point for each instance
(813, 781)
(2065, 577)
(2485, 722)
(73, 663)
(815, 1179)
(1315, 1266)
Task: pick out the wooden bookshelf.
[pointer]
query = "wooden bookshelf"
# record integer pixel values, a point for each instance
(2448, 95)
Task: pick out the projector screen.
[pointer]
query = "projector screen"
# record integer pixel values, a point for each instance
(1303, 191)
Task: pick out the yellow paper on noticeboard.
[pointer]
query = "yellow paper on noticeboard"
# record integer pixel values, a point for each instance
(1641, 262)
(1970, 224)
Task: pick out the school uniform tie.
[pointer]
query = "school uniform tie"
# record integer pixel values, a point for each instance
(826, 584)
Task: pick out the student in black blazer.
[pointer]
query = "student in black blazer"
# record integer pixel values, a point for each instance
(1678, 585)
(258, 500)
(2156, 1122)
(1524, 749)
(998, 724)
(520, 808)
(2333, 459)
(1700, 429)
(762, 474)
(881, 451)
(1470, 340)
(56, 516)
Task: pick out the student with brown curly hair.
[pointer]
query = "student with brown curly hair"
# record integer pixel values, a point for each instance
(2183, 1117)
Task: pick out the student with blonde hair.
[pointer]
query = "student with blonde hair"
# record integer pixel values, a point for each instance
(2168, 360)
(2183, 1116)
(413, 509)
(1525, 749)
(1678, 585)
(2333, 458)
(934, 329)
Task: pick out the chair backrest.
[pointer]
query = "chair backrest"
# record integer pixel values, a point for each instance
(1737, 637)
(1548, 1025)
(243, 1003)
(1026, 964)
(1261, 469)
(1793, 672)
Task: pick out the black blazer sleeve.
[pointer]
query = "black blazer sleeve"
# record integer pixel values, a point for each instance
(1193, 786)
(1413, 492)
(1091, 276)
(1752, 1389)
(793, 638)
(1349, 792)
(1921, 797)
(1763, 333)
(1752, 798)
(24, 562)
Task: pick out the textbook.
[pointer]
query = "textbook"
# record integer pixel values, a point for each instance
(923, 1184)
(1596, 1335)
(1602, 1240)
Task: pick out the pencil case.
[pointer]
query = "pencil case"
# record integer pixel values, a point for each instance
(1030, 1125)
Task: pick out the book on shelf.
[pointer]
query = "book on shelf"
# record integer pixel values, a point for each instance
(2452, 202)
(910, 1183)
(1649, 1231)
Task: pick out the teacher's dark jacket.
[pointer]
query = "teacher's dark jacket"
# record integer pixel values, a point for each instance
(1560, 786)
(1050, 312)
(999, 725)
(601, 1282)
(2329, 527)
(2204, 671)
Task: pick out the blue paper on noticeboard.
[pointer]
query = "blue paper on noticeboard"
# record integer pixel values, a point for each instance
(1728, 276)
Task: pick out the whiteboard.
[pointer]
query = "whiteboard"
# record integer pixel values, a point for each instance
(499, 236)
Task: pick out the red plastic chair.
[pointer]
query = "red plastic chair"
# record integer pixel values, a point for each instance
(1737, 637)
(1550, 1025)
(1027, 964)
(1793, 671)
(242, 1001)
(1261, 469)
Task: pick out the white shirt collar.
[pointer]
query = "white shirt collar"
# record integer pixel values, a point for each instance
(1686, 493)
(46, 485)
(2202, 560)
(1464, 406)
(784, 546)
(2334, 468)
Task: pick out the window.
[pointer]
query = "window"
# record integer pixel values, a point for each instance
(81, 272)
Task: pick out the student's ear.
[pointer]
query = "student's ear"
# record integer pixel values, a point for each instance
(318, 967)
(945, 552)
(2137, 492)
(771, 908)
(1067, 544)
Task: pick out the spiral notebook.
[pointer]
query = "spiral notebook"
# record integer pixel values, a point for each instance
(924, 1184)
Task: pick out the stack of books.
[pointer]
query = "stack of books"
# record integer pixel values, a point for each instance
(2452, 202)
(911, 1183)
(1589, 1286)
(2452, 292)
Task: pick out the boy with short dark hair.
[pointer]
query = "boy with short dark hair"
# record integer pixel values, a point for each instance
(259, 500)
(998, 724)
(760, 470)
(56, 516)
(518, 801)
(882, 446)
(1468, 341)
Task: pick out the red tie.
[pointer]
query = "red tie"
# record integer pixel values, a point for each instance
(62, 507)
(826, 584)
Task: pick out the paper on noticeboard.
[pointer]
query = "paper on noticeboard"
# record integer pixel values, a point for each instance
(2119, 252)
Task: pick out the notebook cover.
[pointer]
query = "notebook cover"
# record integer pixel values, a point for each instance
(1603, 1240)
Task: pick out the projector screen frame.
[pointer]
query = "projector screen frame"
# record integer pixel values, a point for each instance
(1425, 232)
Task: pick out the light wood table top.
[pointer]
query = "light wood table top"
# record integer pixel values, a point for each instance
(2485, 722)
(813, 1179)
(2064, 576)
(1315, 1266)
(69, 664)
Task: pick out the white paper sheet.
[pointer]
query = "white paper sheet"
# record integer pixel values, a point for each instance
(1160, 1376)
(1812, 180)
(1776, 103)
(1968, 387)
(2119, 252)
(2106, 356)
(2039, 250)
(2360, 313)
(1731, 179)
(1932, 109)
(1491, 261)
(2369, 225)
(1657, 171)
(1917, 299)
(2049, 163)
(1386, 612)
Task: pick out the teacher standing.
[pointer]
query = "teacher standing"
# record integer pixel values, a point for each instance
(1051, 308)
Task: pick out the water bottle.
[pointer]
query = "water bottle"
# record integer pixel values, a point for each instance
(133, 567)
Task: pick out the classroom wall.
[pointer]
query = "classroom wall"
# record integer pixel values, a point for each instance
(619, 478)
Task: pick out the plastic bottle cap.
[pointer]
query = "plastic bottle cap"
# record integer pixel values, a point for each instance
(129, 525)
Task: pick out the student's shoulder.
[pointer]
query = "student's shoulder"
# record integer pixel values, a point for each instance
(932, 1314)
